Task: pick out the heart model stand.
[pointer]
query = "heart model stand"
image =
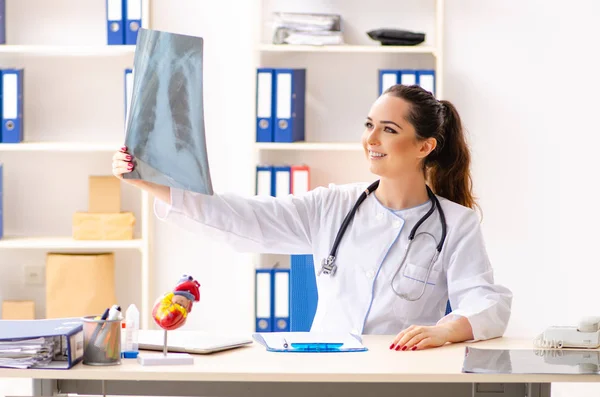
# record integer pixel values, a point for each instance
(170, 312)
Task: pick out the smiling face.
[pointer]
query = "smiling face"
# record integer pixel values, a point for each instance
(390, 141)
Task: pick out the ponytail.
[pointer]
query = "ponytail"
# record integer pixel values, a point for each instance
(448, 167)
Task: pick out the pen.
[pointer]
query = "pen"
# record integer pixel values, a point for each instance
(285, 344)
(94, 336)
(317, 346)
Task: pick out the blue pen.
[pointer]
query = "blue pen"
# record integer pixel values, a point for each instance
(317, 346)
(94, 336)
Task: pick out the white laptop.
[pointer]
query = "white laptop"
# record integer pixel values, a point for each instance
(193, 342)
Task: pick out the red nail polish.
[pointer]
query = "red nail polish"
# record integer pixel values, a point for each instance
(414, 348)
(391, 346)
(404, 348)
(398, 347)
(128, 157)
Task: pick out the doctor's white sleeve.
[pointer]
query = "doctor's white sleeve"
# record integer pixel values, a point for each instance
(471, 288)
(265, 224)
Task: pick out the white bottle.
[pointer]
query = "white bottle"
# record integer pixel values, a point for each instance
(132, 327)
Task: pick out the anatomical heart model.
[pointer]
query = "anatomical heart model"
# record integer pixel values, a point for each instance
(170, 312)
(165, 120)
(172, 309)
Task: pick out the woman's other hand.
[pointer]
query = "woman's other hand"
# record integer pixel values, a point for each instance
(421, 337)
(418, 337)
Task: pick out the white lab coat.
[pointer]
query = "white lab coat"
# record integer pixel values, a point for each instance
(359, 298)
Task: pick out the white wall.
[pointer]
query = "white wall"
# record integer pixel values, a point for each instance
(229, 70)
(525, 81)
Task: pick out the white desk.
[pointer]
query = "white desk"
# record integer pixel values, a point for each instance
(252, 371)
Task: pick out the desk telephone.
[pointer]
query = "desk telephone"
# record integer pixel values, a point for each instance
(585, 335)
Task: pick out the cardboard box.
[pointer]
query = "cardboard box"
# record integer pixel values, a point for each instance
(104, 194)
(18, 310)
(79, 284)
(91, 226)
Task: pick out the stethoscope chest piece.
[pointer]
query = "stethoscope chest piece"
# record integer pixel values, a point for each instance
(328, 266)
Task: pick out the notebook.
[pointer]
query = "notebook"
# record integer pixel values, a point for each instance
(193, 342)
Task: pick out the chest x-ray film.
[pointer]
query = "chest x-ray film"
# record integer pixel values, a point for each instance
(165, 123)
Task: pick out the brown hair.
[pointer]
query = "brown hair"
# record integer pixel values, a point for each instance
(447, 168)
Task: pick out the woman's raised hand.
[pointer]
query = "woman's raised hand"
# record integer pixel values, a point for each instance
(122, 163)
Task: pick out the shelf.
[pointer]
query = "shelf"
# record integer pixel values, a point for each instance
(66, 243)
(67, 50)
(418, 49)
(314, 146)
(59, 147)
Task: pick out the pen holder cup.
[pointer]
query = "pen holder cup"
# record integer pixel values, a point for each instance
(101, 341)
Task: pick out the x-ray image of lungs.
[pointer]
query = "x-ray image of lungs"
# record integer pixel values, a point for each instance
(165, 126)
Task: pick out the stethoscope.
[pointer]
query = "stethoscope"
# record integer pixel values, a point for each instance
(329, 267)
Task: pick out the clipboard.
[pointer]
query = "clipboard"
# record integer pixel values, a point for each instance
(309, 342)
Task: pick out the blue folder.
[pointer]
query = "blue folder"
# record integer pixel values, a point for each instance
(290, 105)
(309, 342)
(67, 334)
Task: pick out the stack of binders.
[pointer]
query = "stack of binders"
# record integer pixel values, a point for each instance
(123, 21)
(280, 104)
(12, 105)
(272, 301)
(390, 77)
(280, 181)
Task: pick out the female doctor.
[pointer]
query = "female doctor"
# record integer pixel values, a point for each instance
(374, 285)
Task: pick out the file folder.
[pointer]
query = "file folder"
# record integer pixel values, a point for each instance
(114, 22)
(2, 21)
(282, 181)
(67, 334)
(1, 201)
(290, 85)
(300, 179)
(264, 180)
(132, 17)
(128, 92)
(388, 78)
(265, 104)
(426, 79)
(263, 300)
(281, 300)
(12, 105)
(303, 293)
(309, 342)
(408, 77)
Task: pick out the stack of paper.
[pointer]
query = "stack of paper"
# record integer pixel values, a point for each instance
(26, 353)
(307, 29)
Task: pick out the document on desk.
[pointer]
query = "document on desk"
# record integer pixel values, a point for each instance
(165, 123)
(309, 342)
(531, 361)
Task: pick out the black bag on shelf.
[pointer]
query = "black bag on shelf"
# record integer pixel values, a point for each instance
(396, 37)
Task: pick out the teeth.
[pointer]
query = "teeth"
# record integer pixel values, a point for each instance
(375, 154)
